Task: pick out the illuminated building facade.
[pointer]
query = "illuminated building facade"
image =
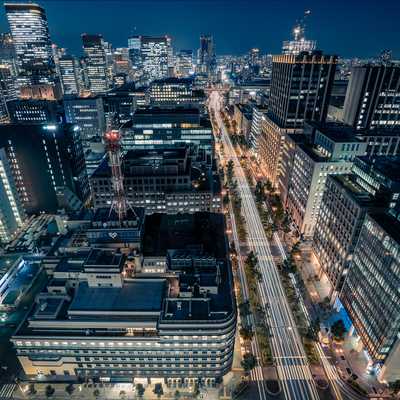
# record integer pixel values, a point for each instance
(31, 38)
(173, 320)
(370, 293)
(373, 97)
(70, 74)
(96, 63)
(12, 214)
(47, 164)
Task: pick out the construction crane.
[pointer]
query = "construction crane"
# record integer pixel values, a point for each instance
(299, 28)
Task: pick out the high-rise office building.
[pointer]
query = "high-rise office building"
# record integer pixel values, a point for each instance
(153, 128)
(343, 208)
(70, 75)
(134, 49)
(33, 111)
(300, 91)
(88, 114)
(373, 97)
(57, 52)
(184, 63)
(371, 294)
(12, 214)
(331, 152)
(96, 63)
(173, 92)
(206, 62)
(31, 38)
(373, 185)
(300, 88)
(47, 164)
(155, 54)
(7, 49)
(8, 90)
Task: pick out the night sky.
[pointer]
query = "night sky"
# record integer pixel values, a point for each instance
(345, 27)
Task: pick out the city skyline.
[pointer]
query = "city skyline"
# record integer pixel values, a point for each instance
(199, 199)
(250, 25)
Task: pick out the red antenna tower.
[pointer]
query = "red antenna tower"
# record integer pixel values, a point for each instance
(112, 140)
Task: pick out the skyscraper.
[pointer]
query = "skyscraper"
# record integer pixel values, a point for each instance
(156, 55)
(8, 90)
(300, 88)
(300, 91)
(12, 213)
(373, 97)
(47, 164)
(134, 46)
(30, 33)
(96, 63)
(206, 63)
(88, 114)
(70, 75)
(184, 63)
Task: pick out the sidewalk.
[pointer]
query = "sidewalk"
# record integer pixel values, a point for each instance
(117, 391)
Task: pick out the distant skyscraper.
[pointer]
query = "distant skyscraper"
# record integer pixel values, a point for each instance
(184, 63)
(96, 63)
(70, 75)
(206, 55)
(156, 55)
(373, 97)
(8, 90)
(299, 43)
(58, 52)
(30, 33)
(134, 46)
(7, 52)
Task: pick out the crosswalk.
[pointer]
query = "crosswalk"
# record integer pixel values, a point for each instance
(7, 390)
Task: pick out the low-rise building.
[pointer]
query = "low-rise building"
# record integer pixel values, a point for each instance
(177, 325)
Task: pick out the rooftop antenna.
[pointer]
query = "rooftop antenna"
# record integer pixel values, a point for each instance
(120, 205)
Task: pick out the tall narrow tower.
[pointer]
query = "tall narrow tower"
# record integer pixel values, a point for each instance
(113, 145)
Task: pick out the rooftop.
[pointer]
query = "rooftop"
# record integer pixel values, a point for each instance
(172, 80)
(135, 296)
(6, 262)
(360, 195)
(389, 166)
(388, 223)
(103, 257)
(163, 232)
(339, 133)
